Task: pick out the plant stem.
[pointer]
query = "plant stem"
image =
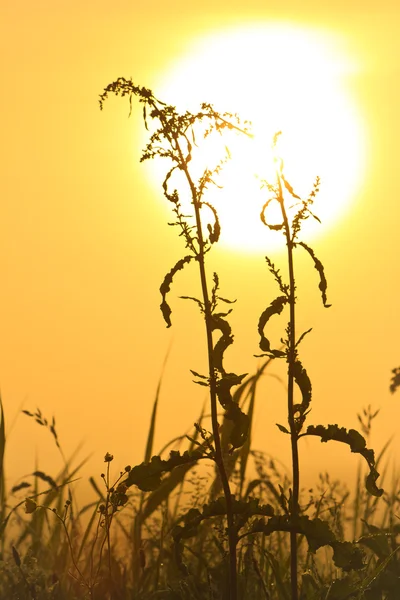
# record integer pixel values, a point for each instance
(232, 538)
(291, 358)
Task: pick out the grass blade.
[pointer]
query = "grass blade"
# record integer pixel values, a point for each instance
(150, 437)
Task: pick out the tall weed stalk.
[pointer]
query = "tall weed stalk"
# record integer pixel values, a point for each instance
(281, 192)
(175, 139)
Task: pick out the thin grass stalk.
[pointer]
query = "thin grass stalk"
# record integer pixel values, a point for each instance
(357, 502)
(88, 529)
(138, 521)
(164, 523)
(245, 449)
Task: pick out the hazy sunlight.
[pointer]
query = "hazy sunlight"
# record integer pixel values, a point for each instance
(284, 78)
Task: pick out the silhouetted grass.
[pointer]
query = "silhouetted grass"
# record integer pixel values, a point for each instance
(209, 517)
(125, 549)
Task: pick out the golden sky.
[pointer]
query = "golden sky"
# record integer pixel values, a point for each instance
(84, 243)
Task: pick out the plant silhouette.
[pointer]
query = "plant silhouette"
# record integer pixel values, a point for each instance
(178, 131)
(174, 139)
(237, 539)
(279, 192)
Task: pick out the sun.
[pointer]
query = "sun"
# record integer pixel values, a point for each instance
(281, 78)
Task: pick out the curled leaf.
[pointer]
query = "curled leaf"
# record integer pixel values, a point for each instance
(240, 430)
(226, 339)
(213, 230)
(357, 444)
(276, 227)
(275, 308)
(166, 286)
(320, 268)
(233, 412)
(304, 383)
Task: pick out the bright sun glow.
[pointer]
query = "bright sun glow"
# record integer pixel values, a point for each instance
(281, 78)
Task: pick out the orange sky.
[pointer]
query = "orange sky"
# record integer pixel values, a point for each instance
(84, 243)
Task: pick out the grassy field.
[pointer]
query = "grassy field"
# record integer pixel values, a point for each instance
(208, 517)
(172, 543)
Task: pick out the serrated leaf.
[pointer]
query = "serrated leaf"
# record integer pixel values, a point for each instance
(166, 286)
(170, 481)
(378, 542)
(275, 308)
(320, 268)
(147, 475)
(395, 380)
(243, 509)
(318, 534)
(357, 444)
(347, 556)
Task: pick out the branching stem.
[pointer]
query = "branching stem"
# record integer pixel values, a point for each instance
(232, 538)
